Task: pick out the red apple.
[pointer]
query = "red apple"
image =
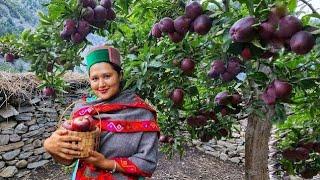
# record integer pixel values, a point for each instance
(246, 54)
(48, 91)
(81, 124)
(9, 57)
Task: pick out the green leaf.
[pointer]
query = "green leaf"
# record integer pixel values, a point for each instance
(292, 5)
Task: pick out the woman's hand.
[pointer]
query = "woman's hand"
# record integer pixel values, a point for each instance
(98, 160)
(59, 144)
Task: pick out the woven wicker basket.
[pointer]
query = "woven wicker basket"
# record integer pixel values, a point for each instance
(89, 140)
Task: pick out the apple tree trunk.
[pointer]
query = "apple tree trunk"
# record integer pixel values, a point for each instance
(256, 145)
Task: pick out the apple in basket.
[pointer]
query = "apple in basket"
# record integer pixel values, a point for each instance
(83, 124)
(67, 125)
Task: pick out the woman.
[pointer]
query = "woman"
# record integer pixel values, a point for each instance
(129, 138)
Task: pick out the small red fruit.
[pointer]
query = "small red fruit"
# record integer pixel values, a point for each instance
(187, 66)
(246, 53)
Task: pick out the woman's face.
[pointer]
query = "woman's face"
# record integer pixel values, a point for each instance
(104, 80)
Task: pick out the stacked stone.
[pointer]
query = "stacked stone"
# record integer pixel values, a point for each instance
(22, 135)
(232, 149)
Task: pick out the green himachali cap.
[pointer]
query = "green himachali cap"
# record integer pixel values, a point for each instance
(102, 54)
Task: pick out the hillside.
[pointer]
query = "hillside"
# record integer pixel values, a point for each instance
(16, 15)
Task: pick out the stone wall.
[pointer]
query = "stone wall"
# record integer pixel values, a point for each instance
(23, 131)
(226, 149)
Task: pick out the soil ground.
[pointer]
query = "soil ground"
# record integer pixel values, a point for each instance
(194, 165)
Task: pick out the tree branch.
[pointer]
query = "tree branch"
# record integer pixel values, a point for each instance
(310, 6)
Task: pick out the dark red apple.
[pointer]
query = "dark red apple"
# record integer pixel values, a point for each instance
(236, 99)
(283, 89)
(289, 154)
(106, 3)
(166, 25)
(81, 124)
(70, 26)
(243, 30)
(213, 74)
(266, 30)
(269, 95)
(77, 38)
(111, 15)
(193, 10)
(316, 147)
(246, 54)
(100, 13)
(181, 24)
(288, 26)
(233, 67)
(163, 139)
(222, 98)
(64, 35)
(223, 132)
(175, 37)
(88, 15)
(302, 42)
(218, 66)
(48, 91)
(202, 24)
(187, 66)
(155, 31)
(9, 57)
(177, 96)
(83, 28)
(84, 3)
(227, 76)
(302, 153)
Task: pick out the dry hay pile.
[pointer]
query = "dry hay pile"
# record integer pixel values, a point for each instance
(25, 84)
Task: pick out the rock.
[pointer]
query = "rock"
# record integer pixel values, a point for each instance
(223, 156)
(8, 111)
(217, 147)
(33, 127)
(8, 124)
(41, 120)
(4, 139)
(213, 153)
(235, 160)
(2, 164)
(24, 117)
(39, 151)
(33, 133)
(26, 109)
(32, 159)
(31, 122)
(50, 124)
(9, 171)
(22, 174)
(34, 100)
(11, 163)
(11, 146)
(21, 164)
(37, 164)
(25, 155)
(241, 149)
(48, 110)
(208, 148)
(14, 138)
(232, 154)
(8, 131)
(240, 141)
(11, 155)
(37, 143)
(46, 134)
(52, 115)
(28, 140)
(28, 147)
(21, 128)
(46, 155)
